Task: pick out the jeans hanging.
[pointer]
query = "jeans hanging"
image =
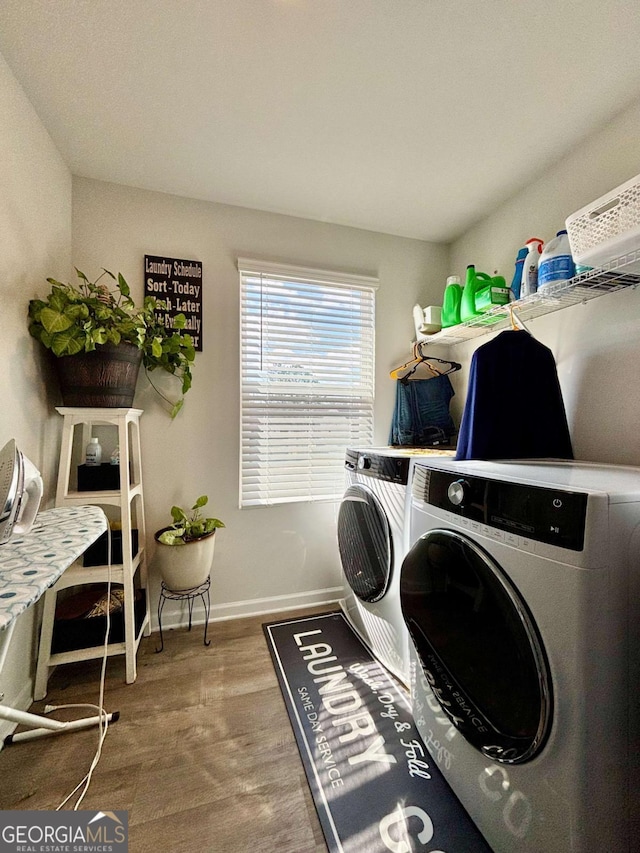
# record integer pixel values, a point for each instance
(421, 416)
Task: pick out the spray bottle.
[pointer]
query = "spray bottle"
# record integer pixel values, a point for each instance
(530, 269)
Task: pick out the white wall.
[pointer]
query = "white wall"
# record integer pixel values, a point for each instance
(285, 553)
(596, 344)
(35, 242)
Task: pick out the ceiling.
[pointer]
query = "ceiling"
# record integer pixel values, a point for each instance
(409, 117)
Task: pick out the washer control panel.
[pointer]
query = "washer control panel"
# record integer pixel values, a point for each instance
(554, 516)
(393, 469)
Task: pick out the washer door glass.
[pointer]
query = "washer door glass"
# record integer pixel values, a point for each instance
(364, 540)
(478, 645)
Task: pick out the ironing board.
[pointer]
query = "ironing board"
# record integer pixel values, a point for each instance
(29, 565)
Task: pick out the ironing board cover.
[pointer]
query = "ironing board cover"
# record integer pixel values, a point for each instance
(31, 563)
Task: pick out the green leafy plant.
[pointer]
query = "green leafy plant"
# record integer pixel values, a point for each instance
(186, 528)
(80, 318)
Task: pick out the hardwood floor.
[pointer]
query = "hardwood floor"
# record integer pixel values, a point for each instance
(203, 756)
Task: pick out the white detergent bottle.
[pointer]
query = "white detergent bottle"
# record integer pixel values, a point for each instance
(93, 452)
(556, 264)
(530, 268)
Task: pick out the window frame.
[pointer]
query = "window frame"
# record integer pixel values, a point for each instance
(363, 287)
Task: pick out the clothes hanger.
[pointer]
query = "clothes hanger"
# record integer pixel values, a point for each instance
(415, 359)
(407, 371)
(516, 321)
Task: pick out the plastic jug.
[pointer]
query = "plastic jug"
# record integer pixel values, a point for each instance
(93, 452)
(556, 263)
(495, 292)
(481, 292)
(451, 302)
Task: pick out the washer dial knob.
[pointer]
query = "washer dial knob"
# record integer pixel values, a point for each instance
(458, 492)
(364, 462)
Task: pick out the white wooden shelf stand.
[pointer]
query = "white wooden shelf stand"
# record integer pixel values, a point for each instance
(131, 574)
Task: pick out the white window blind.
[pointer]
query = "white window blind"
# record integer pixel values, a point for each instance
(307, 374)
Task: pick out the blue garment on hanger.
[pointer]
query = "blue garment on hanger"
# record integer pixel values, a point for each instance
(421, 416)
(514, 407)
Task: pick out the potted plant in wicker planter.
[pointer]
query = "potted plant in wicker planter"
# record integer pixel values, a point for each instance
(99, 340)
(185, 548)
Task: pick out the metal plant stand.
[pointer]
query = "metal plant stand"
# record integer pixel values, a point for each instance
(187, 595)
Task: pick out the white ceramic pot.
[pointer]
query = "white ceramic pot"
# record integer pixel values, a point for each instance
(185, 566)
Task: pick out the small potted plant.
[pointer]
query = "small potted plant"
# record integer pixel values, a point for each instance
(185, 548)
(99, 339)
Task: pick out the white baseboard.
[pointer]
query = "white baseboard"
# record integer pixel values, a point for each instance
(179, 618)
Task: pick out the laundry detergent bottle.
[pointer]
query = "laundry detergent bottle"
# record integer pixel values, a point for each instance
(516, 281)
(451, 302)
(556, 263)
(530, 269)
(481, 292)
(473, 283)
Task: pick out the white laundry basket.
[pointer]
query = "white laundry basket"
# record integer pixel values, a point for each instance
(608, 229)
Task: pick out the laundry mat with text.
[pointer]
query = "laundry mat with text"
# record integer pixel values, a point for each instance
(374, 784)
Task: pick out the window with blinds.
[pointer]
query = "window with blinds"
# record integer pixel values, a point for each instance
(307, 376)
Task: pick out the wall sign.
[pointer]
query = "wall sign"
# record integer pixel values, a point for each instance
(178, 284)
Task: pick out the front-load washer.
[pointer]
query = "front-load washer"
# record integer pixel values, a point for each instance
(521, 596)
(372, 541)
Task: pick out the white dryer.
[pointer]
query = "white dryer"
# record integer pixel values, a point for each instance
(521, 595)
(372, 540)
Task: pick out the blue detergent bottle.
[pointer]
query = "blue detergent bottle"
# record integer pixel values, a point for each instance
(516, 282)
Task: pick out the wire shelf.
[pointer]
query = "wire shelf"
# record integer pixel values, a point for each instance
(621, 273)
